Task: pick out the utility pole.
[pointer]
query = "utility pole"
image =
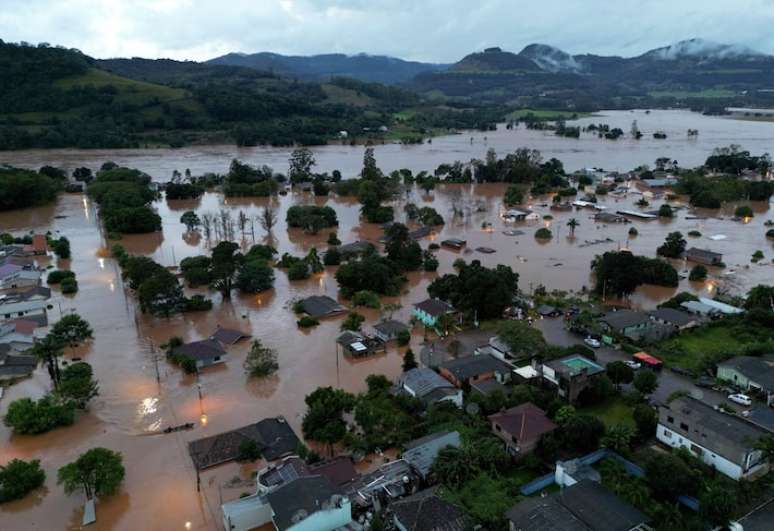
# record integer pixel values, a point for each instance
(155, 362)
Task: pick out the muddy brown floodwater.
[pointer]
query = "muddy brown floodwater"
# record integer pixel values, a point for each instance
(160, 487)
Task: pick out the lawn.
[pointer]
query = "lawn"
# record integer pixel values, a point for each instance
(611, 412)
(688, 349)
(129, 90)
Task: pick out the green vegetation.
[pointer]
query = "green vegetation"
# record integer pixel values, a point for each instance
(260, 361)
(620, 273)
(58, 275)
(124, 198)
(673, 247)
(25, 188)
(543, 234)
(307, 322)
(311, 218)
(698, 273)
(18, 478)
(477, 289)
(97, 472)
(27, 416)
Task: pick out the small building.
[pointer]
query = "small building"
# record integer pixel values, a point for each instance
(357, 248)
(721, 307)
(434, 354)
(228, 336)
(464, 371)
(571, 375)
(426, 511)
(421, 453)
(629, 323)
(750, 374)
(15, 276)
(454, 243)
(23, 309)
(723, 441)
(359, 345)
(609, 217)
(205, 353)
(18, 334)
(699, 309)
(665, 182)
(517, 214)
(584, 506)
(429, 311)
(13, 366)
(675, 318)
(429, 387)
(521, 428)
(390, 329)
(36, 293)
(274, 436)
(704, 256)
(495, 347)
(309, 503)
(321, 306)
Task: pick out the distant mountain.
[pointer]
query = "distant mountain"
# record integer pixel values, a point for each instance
(544, 75)
(371, 68)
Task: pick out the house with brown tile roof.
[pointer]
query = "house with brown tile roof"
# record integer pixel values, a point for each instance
(521, 428)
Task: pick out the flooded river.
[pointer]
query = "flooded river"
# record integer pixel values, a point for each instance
(587, 151)
(160, 487)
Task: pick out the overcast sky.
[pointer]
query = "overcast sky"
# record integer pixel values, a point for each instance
(425, 30)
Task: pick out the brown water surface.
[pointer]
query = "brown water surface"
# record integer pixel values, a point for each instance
(160, 487)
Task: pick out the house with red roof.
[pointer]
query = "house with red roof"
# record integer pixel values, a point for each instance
(521, 428)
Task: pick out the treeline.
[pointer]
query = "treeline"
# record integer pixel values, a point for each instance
(124, 197)
(26, 188)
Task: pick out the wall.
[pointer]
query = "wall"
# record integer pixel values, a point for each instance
(326, 520)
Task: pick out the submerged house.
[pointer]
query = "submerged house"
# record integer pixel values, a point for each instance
(704, 256)
(358, 345)
(321, 306)
(205, 353)
(429, 311)
(390, 329)
(429, 387)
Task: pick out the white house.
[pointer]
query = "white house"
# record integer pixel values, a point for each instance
(27, 309)
(723, 441)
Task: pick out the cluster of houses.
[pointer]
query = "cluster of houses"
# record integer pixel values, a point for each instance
(24, 306)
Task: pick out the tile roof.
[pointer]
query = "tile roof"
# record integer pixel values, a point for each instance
(426, 511)
(421, 453)
(469, 366)
(584, 506)
(621, 319)
(297, 500)
(228, 336)
(422, 381)
(340, 470)
(758, 369)
(321, 305)
(203, 350)
(526, 421)
(434, 307)
(275, 437)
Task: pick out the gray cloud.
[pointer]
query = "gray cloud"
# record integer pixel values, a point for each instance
(427, 30)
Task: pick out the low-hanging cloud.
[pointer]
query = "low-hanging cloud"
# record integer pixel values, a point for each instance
(427, 30)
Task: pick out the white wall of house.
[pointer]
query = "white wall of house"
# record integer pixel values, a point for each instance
(326, 520)
(727, 467)
(455, 399)
(246, 513)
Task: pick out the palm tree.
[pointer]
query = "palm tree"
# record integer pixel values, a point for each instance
(572, 224)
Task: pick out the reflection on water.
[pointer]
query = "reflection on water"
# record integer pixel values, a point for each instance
(160, 486)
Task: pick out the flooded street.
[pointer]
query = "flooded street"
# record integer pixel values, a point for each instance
(587, 151)
(159, 491)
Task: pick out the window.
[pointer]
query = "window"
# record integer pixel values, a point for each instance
(697, 450)
(684, 426)
(671, 420)
(216, 358)
(498, 428)
(667, 434)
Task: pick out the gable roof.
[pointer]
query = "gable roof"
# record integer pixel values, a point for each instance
(302, 497)
(422, 381)
(203, 350)
(675, 317)
(586, 505)
(9, 269)
(758, 369)
(274, 435)
(228, 336)
(434, 307)
(321, 305)
(22, 306)
(704, 253)
(526, 421)
(469, 366)
(621, 319)
(421, 453)
(339, 470)
(426, 511)
(391, 327)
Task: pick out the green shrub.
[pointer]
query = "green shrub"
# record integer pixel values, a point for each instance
(198, 303)
(69, 285)
(694, 234)
(698, 273)
(332, 256)
(27, 416)
(366, 298)
(403, 338)
(743, 211)
(18, 478)
(298, 271)
(307, 322)
(58, 275)
(543, 234)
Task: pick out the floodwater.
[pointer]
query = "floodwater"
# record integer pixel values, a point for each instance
(159, 491)
(587, 151)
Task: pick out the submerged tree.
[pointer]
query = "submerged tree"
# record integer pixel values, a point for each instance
(261, 360)
(98, 472)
